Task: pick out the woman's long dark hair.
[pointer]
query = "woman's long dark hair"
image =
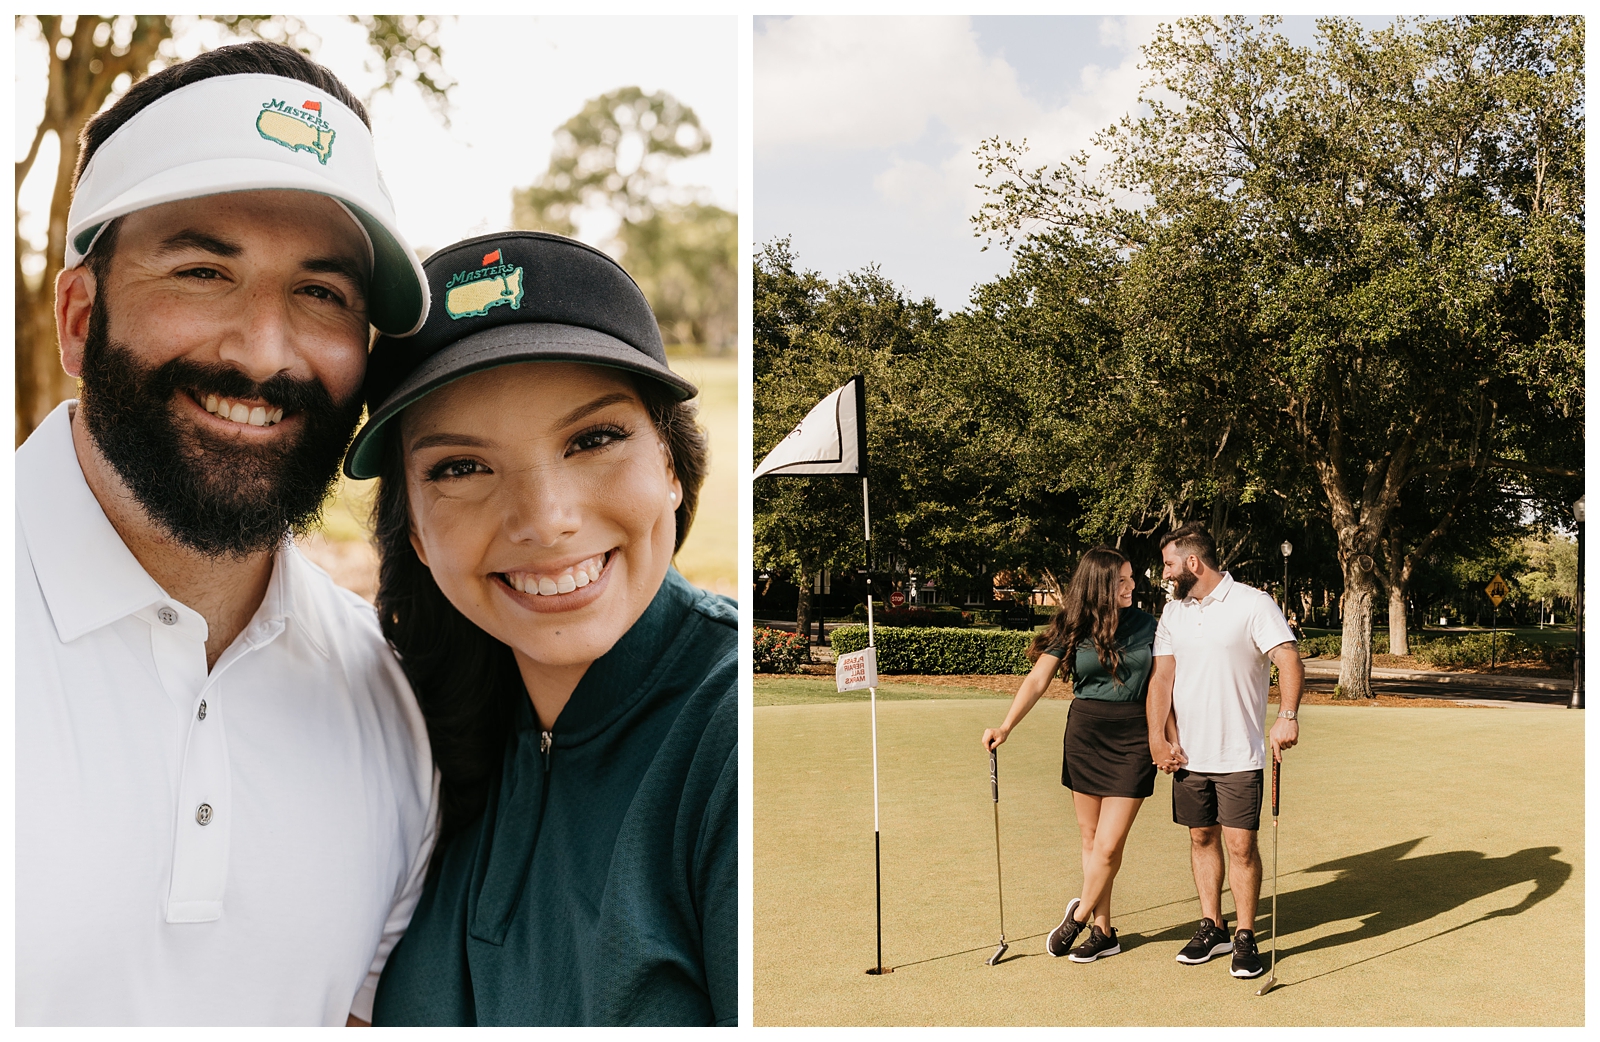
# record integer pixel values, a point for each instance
(466, 681)
(1089, 612)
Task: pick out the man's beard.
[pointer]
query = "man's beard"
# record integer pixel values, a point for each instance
(217, 496)
(1183, 582)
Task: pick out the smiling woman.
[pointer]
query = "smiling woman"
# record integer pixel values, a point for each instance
(538, 467)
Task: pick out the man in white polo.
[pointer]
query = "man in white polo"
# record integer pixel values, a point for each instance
(1206, 711)
(225, 797)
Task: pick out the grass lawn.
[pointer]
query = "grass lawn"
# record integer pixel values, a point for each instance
(1414, 858)
(708, 555)
(789, 691)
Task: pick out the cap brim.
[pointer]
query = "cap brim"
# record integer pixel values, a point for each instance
(503, 345)
(397, 300)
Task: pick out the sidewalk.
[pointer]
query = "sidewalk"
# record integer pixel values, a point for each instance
(1329, 667)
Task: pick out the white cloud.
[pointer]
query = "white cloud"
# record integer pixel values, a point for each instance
(877, 82)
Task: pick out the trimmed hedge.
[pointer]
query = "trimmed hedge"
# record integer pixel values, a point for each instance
(930, 650)
(776, 651)
(908, 615)
(1469, 650)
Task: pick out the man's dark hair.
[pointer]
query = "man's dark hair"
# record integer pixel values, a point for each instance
(1193, 538)
(259, 56)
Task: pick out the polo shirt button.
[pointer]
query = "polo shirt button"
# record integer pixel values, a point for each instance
(202, 814)
(167, 616)
(202, 709)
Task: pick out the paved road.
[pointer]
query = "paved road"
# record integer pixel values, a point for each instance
(1456, 690)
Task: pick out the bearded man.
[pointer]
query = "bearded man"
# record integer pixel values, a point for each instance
(225, 798)
(1206, 710)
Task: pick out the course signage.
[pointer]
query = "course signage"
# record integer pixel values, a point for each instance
(857, 671)
(1497, 590)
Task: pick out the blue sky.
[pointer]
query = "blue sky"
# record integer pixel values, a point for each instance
(865, 127)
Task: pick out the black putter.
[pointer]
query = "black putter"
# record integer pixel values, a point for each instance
(1272, 975)
(994, 790)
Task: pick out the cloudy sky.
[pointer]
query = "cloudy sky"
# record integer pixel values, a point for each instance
(865, 128)
(519, 78)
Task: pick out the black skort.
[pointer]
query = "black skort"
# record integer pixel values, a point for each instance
(1106, 750)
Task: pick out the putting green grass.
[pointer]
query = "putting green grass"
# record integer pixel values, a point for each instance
(1431, 873)
(791, 691)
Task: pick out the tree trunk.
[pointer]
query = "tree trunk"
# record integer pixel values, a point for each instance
(1399, 639)
(1355, 647)
(802, 611)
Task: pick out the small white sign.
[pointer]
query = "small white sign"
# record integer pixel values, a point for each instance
(857, 670)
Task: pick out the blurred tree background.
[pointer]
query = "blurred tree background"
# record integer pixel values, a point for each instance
(94, 58)
(682, 251)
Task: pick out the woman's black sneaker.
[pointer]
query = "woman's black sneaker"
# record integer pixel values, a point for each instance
(1096, 946)
(1059, 942)
(1209, 941)
(1246, 963)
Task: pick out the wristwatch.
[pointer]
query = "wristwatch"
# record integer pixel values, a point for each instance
(1286, 714)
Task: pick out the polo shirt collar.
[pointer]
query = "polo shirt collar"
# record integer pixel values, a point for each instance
(88, 575)
(1218, 592)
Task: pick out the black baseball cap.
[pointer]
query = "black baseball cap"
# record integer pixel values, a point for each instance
(511, 297)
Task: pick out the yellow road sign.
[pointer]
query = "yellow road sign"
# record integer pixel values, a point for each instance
(1497, 590)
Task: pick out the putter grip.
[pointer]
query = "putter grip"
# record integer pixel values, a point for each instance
(994, 774)
(1277, 768)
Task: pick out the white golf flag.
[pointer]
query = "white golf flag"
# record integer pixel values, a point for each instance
(856, 671)
(830, 440)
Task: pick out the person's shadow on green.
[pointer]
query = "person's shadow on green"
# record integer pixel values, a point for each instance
(1388, 891)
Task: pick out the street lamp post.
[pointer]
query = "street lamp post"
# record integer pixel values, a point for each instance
(1577, 611)
(1287, 548)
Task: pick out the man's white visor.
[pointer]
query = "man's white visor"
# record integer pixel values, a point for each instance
(250, 133)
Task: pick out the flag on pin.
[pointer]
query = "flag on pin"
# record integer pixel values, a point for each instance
(491, 258)
(832, 439)
(312, 106)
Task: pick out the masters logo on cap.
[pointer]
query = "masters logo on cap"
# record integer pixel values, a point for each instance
(475, 292)
(297, 129)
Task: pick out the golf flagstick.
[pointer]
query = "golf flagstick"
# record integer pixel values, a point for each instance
(877, 843)
(994, 790)
(1272, 975)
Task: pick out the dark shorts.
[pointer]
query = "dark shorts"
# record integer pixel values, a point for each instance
(1106, 750)
(1203, 800)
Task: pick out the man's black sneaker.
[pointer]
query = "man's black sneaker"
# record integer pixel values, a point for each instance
(1246, 963)
(1097, 946)
(1059, 942)
(1209, 941)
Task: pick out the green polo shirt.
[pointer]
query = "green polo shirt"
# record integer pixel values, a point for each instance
(1136, 632)
(600, 886)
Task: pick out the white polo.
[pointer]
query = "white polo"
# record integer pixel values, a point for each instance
(238, 846)
(1219, 646)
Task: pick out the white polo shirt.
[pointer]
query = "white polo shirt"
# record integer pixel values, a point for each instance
(1219, 647)
(242, 846)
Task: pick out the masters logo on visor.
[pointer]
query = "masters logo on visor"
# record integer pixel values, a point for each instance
(475, 292)
(297, 129)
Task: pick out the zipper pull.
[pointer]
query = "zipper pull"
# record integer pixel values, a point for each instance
(545, 738)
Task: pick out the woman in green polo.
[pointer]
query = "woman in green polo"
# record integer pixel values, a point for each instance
(538, 466)
(1102, 644)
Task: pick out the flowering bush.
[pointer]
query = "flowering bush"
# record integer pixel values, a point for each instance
(777, 651)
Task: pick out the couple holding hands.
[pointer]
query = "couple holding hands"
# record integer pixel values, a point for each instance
(507, 796)
(1187, 695)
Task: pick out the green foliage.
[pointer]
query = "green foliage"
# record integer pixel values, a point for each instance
(1474, 650)
(940, 651)
(777, 651)
(685, 259)
(1326, 646)
(1552, 567)
(614, 153)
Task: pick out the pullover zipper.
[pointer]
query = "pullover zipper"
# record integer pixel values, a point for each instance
(544, 749)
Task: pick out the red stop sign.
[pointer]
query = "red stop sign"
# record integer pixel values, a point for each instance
(896, 599)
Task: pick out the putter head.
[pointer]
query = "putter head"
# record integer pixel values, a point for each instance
(1272, 982)
(997, 953)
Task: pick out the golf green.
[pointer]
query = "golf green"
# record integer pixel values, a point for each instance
(1430, 873)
